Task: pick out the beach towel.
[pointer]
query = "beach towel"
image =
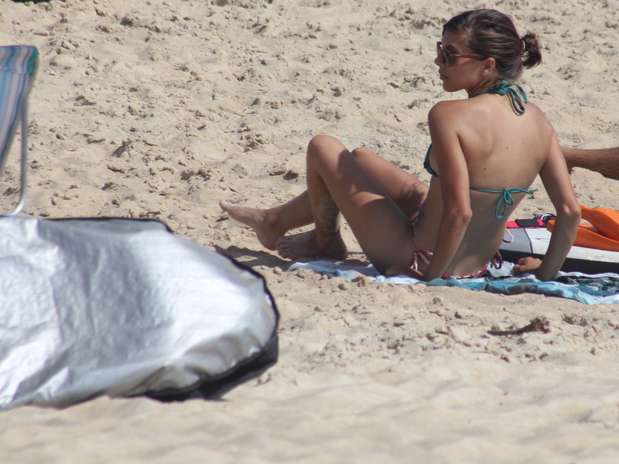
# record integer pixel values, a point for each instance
(123, 307)
(587, 289)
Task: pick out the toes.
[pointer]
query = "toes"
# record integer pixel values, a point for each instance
(284, 253)
(282, 247)
(280, 244)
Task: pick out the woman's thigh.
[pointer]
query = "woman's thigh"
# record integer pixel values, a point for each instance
(381, 227)
(404, 188)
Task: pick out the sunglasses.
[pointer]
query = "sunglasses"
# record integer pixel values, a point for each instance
(449, 58)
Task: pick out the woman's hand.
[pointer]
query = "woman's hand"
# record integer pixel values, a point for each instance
(527, 265)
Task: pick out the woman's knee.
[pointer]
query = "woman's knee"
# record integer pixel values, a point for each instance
(322, 145)
(321, 141)
(360, 153)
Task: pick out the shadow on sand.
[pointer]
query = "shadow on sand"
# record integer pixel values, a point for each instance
(253, 258)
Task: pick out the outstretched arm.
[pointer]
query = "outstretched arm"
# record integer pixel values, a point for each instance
(603, 160)
(457, 212)
(556, 180)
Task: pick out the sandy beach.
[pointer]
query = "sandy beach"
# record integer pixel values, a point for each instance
(163, 108)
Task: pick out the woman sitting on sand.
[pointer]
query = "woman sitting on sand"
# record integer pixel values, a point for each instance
(485, 153)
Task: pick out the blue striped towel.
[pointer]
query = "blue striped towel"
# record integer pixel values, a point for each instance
(584, 288)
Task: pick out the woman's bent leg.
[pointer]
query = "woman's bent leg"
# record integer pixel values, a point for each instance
(337, 181)
(604, 160)
(271, 224)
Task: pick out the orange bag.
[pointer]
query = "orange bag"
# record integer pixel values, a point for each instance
(602, 231)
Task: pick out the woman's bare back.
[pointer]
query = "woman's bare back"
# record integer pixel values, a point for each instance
(502, 150)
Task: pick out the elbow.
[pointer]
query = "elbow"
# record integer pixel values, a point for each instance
(577, 213)
(466, 216)
(571, 212)
(459, 216)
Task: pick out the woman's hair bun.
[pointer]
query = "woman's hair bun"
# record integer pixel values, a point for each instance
(532, 55)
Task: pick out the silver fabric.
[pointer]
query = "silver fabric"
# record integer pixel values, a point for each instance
(118, 307)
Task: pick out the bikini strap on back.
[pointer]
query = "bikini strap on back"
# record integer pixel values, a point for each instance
(505, 198)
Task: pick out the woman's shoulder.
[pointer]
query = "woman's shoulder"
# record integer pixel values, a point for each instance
(447, 110)
(446, 106)
(465, 108)
(454, 113)
(539, 117)
(462, 108)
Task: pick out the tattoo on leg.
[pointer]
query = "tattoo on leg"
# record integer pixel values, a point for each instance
(324, 241)
(327, 219)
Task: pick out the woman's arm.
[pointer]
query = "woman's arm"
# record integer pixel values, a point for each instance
(556, 179)
(456, 214)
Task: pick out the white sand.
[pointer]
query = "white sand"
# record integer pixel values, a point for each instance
(217, 100)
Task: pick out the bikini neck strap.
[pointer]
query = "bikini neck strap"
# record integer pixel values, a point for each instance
(517, 95)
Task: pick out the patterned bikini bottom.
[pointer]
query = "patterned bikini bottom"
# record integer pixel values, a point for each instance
(421, 259)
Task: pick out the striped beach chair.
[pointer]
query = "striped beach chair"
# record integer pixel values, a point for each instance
(17, 69)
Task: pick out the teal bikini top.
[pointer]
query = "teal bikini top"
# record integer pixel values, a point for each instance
(518, 98)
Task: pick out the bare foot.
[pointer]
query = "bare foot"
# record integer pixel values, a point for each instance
(305, 245)
(259, 220)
